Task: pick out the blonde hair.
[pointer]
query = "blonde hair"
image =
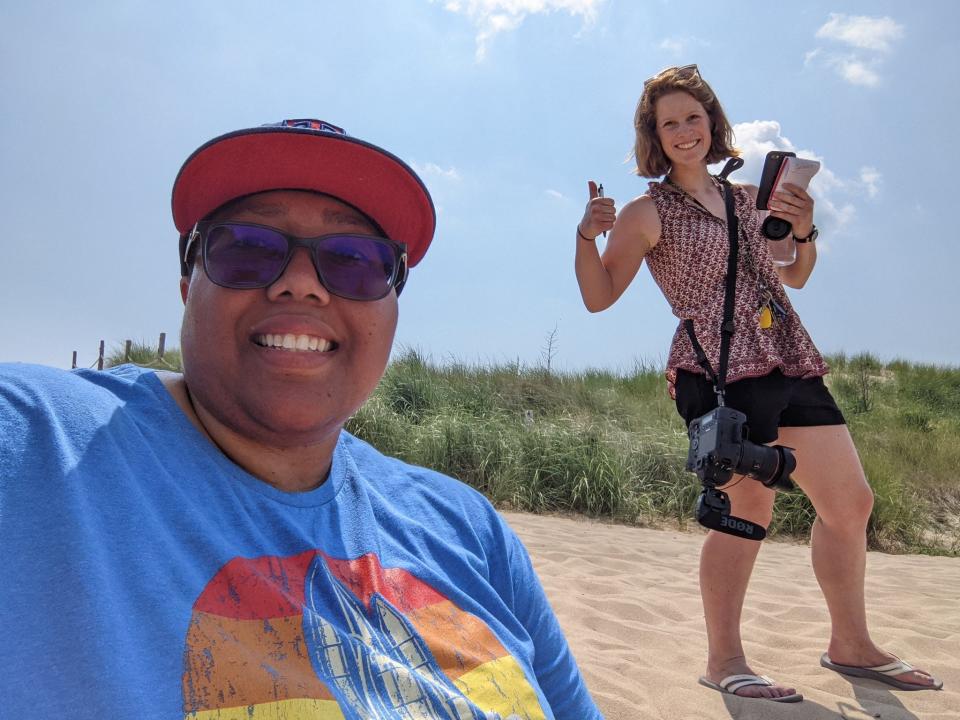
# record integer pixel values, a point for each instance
(651, 160)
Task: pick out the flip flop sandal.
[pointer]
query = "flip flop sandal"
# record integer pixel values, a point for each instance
(881, 673)
(730, 684)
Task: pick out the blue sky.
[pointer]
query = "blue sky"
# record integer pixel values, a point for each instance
(507, 108)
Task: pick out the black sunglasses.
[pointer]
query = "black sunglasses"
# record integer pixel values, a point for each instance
(245, 256)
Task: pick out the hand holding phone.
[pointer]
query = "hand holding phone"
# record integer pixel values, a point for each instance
(773, 228)
(781, 168)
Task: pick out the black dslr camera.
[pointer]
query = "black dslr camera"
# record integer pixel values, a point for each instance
(719, 448)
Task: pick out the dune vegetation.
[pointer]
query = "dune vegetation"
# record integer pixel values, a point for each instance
(611, 445)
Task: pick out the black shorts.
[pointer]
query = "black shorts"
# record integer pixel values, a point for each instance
(769, 402)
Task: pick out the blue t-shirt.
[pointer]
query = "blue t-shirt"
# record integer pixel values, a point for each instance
(145, 575)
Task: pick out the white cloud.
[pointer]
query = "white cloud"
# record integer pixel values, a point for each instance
(856, 72)
(860, 31)
(672, 45)
(677, 45)
(491, 17)
(554, 194)
(834, 208)
(871, 38)
(433, 170)
(871, 178)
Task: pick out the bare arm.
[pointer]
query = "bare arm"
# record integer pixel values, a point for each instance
(797, 274)
(632, 235)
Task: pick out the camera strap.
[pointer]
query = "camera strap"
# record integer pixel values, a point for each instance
(727, 327)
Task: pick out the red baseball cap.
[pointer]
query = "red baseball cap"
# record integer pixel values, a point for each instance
(307, 155)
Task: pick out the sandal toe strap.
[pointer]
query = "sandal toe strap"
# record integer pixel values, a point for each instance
(732, 683)
(897, 667)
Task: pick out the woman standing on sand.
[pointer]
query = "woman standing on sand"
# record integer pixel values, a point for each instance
(775, 372)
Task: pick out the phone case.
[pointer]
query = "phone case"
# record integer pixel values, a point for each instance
(771, 168)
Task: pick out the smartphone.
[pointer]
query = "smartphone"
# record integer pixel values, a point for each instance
(771, 168)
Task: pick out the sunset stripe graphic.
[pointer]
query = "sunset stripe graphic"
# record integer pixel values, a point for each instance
(310, 636)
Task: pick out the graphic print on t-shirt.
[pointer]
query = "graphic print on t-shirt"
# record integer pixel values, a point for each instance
(310, 636)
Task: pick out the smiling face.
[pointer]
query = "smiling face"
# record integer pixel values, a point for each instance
(683, 129)
(285, 365)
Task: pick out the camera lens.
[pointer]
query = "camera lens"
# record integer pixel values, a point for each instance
(770, 465)
(775, 228)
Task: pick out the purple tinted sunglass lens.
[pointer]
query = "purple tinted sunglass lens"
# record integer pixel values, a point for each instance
(356, 267)
(243, 256)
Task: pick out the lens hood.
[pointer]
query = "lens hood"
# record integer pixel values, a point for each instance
(775, 228)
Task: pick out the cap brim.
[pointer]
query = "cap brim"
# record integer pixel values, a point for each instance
(371, 179)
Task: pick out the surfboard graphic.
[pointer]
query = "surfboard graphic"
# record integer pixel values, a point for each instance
(311, 636)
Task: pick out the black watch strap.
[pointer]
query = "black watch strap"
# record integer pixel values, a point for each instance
(814, 232)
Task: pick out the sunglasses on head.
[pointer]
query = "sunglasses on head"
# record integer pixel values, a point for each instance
(684, 72)
(245, 256)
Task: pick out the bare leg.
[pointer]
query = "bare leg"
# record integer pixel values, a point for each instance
(725, 566)
(829, 472)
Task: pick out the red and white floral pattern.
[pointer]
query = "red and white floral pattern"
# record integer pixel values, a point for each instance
(689, 264)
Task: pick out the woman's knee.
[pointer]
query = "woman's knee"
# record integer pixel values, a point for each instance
(750, 500)
(852, 507)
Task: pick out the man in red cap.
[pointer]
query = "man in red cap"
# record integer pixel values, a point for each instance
(214, 544)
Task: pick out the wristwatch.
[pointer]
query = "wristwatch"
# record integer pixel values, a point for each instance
(809, 238)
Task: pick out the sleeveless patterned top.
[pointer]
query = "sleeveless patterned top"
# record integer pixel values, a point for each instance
(689, 264)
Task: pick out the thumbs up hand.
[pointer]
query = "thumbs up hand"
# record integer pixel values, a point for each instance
(599, 215)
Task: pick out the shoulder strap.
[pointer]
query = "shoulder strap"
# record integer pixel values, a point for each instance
(727, 327)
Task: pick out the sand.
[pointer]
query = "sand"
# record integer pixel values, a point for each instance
(629, 603)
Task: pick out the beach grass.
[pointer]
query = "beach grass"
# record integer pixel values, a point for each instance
(611, 445)
(144, 355)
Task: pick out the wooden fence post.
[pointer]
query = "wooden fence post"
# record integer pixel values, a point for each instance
(100, 358)
(126, 351)
(163, 341)
(73, 363)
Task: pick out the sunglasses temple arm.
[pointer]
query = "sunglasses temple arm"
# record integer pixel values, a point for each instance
(402, 275)
(184, 248)
(186, 242)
